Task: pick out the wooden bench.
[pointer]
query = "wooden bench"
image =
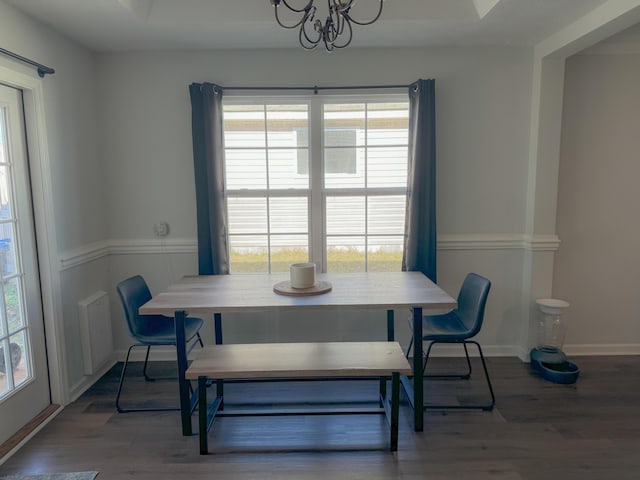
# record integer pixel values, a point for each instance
(326, 360)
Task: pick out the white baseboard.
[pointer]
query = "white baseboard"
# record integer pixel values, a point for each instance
(602, 349)
(591, 350)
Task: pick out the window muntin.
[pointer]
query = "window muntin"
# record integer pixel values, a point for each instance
(359, 204)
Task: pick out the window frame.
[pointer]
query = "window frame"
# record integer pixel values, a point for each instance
(317, 193)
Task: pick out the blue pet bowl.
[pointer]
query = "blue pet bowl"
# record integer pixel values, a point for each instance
(554, 366)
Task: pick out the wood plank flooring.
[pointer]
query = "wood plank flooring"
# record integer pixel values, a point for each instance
(589, 430)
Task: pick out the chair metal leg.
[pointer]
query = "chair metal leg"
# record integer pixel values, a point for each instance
(408, 352)
(144, 368)
(146, 359)
(147, 378)
(466, 352)
(122, 376)
(486, 407)
(486, 374)
(464, 376)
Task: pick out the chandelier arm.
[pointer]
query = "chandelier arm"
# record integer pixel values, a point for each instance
(293, 9)
(310, 44)
(339, 24)
(328, 46)
(347, 15)
(317, 26)
(342, 6)
(284, 25)
(350, 31)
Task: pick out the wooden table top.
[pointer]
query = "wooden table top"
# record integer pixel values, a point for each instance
(241, 293)
(295, 360)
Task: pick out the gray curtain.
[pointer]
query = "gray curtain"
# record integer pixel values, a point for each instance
(207, 131)
(420, 225)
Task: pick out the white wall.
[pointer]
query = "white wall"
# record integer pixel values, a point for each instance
(597, 266)
(76, 162)
(483, 108)
(483, 99)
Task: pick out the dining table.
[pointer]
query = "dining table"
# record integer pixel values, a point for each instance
(211, 296)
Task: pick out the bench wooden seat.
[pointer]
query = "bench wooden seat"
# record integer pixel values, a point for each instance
(296, 361)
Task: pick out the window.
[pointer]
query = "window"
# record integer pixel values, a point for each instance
(320, 179)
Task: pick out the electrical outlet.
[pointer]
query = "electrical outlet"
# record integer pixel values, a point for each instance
(161, 229)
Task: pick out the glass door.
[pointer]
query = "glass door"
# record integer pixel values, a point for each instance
(24, 382)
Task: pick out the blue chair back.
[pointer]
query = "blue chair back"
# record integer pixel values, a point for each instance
(472, 299)
(134, 293)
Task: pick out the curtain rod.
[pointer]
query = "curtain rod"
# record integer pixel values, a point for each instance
(316, 88)
(42, 69)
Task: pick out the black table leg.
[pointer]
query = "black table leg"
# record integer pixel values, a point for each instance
(183, 383)
(219, 383)
(418, 386)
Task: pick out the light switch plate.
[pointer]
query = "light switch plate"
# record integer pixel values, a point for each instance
(161, 229)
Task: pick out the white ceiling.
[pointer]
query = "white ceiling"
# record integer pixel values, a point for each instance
(129, 25)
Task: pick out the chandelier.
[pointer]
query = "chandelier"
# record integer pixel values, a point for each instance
(335, 32)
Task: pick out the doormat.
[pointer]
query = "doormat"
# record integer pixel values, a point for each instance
(53, 476)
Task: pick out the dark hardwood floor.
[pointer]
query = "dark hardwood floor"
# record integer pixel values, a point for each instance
(589, 430)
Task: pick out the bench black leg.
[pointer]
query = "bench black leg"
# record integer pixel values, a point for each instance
(395, 409)
(202, 414)
(203, 411)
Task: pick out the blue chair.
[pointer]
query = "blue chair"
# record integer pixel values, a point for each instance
(459, 326)
(149, 331)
